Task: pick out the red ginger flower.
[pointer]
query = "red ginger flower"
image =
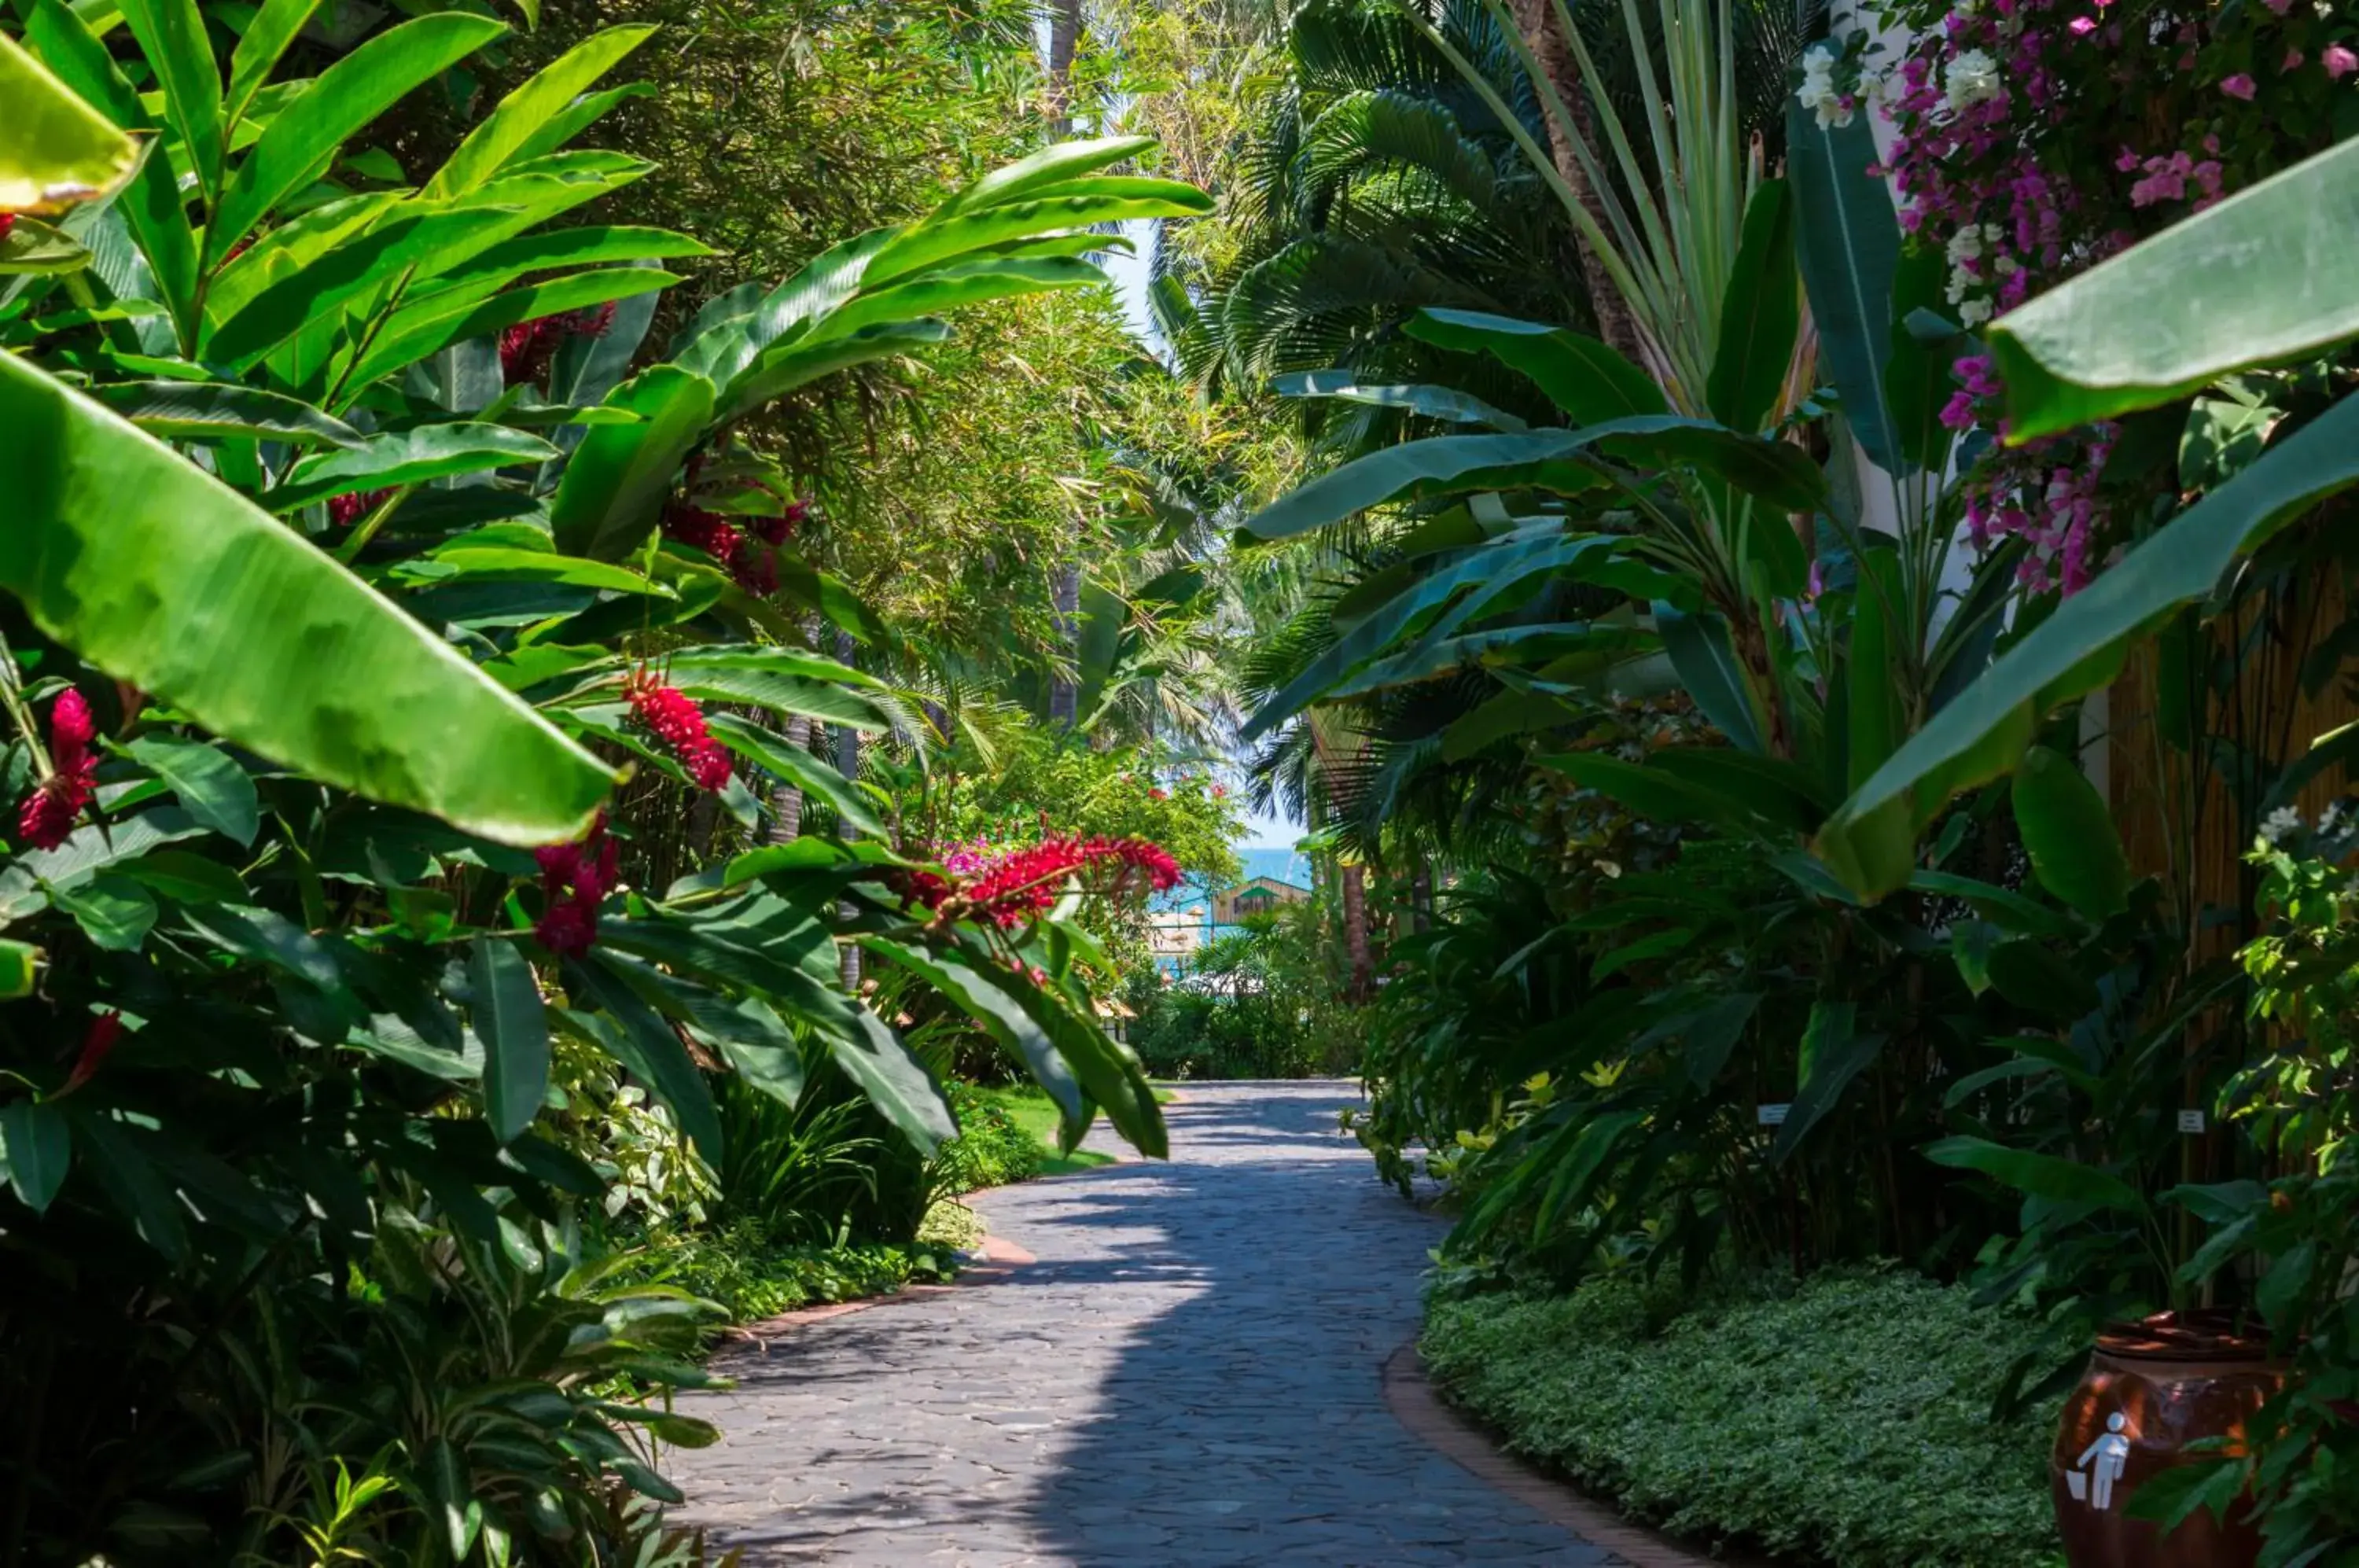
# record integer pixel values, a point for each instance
(679, 723)
(46, 815)
(96, 1046)
(574, 880)
(526, 348)
(7, 222)
(520, 351)
(591, 320)
(778, 530)
(757, 572)
(1026, 882)
(754, 570)
(352, 507)
(707, 531)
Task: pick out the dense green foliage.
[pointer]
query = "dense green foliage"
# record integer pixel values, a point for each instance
(1263, 1000)
(1743, 681)
(332, 1119)
(750, 1277)
(1031, 1113)
(992, 1148)
(1843, 1422)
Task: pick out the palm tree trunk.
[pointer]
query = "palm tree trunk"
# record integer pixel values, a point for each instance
(847, 762)
(1537, 20)
(1355, 931)
(1065, 695)
(786, 800)
(1064, 42)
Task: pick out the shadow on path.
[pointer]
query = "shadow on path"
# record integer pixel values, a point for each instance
(1189, 1374)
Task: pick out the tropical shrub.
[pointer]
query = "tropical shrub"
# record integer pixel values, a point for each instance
(1183, 1035)
(1884, 972)
(992, 1148)
(285, 983)
(1843, 1420)
(1034, 782)
(748, 1274)
(1261, 1001)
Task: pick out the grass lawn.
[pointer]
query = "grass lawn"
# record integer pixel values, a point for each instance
(1033, 1111)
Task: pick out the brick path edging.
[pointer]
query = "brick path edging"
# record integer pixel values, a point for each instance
(1418, 1405)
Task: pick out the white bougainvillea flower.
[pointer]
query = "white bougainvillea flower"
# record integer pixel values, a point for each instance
(1819, 93)
(1971, 78)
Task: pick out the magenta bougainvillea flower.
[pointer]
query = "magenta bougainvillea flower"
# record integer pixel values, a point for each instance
(574, 880)
(673, 718)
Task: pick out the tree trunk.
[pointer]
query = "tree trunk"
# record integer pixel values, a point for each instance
(1537, 20)
(847, 762)
(786, 800)
(703, 816)
(1064, 42)
(1065, 695)
(1355, 931)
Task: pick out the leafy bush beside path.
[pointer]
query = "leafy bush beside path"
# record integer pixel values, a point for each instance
(1841, 1422)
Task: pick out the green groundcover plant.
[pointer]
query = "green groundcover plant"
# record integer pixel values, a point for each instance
(1843, 1422)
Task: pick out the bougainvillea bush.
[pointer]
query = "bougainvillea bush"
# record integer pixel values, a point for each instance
(2032, 140)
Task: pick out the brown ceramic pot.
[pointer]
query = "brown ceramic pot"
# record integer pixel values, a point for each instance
(2152, 1389)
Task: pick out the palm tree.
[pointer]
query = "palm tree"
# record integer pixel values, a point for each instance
(1377, 184)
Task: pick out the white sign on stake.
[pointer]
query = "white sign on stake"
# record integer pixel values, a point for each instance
(1771, 1115)
(2190, 1121)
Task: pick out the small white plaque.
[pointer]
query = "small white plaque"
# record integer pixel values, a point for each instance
(2190, 1121)
(1771, 1115)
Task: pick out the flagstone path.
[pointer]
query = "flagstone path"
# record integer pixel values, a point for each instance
(1187, 1374)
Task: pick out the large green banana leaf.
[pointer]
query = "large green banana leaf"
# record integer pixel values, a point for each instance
(58, 149)
(2262, 277)
(1581, 376)
(1565, 461)
(1847, 241)
(163, 577)
(1983, 731)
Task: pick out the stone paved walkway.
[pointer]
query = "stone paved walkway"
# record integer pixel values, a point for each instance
(1189, 1375)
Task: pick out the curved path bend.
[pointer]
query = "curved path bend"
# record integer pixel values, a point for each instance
(1188, 1374)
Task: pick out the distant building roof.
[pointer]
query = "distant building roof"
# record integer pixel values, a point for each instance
(1278, 864)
